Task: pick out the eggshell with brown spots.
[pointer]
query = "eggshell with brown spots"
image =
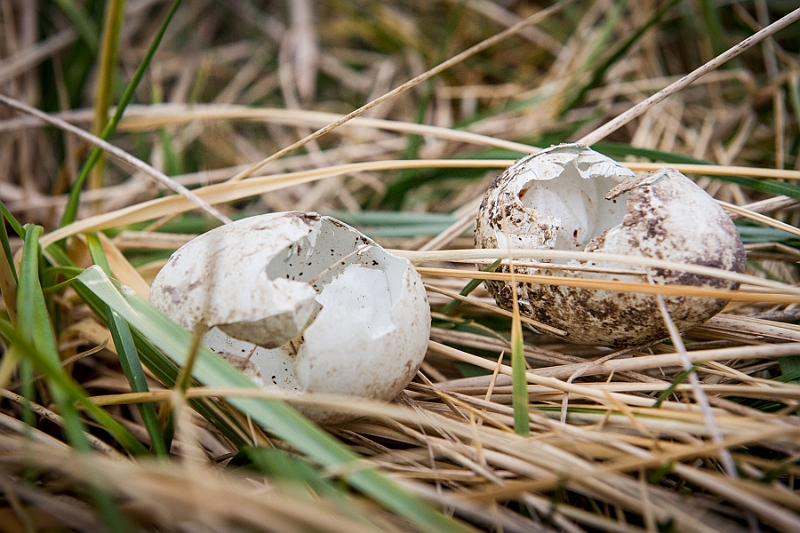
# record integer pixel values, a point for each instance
(312, 303)
(572, 198)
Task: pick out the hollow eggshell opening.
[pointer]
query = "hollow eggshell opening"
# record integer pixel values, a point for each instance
(341, 314)
(570, 197)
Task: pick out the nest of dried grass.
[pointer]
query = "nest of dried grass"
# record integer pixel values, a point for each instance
(651, 438)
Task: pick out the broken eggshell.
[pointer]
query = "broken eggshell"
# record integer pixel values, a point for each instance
(570, 197)
(302, 302)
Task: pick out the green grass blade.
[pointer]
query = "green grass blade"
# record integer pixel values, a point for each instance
(162, 368)
(71, 210)
(36, 331)
(297, 474)
(132, 368)
(468, 288)
(616, 54)
(519, 381)
(713, 26)
(128, 356)
(65, 392)
(86, 28)
(673, 386)
(8, 257)
(13, 222)
(284, 422)
(35, 322)
(8, 274)
(37, 341)
(790, 369)
(74, 392)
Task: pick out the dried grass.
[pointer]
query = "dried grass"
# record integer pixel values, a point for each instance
(625, 440)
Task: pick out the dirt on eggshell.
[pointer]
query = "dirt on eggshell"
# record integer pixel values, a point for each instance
(570, 197)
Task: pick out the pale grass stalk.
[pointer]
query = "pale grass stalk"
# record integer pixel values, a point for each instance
(560, 513)
(757, 390)
(469, 433)
(495, 309)
(755, 326)
(18, 427)
(511, 523)
(483, 45)
(119, 154)
(642, 107)
(171, 114)
(227, 192)
(449, 449)
(758, 217)
(674, 360)
(172, 491)
(780, 518)
(716, 170)
(619, 286)
(31, 56)
(142, 118)
(697, 389)
(551, 377)
(458, 228)
(564, 256)
(135, 186)
(57, 419)
(635, 459)
(492, 438)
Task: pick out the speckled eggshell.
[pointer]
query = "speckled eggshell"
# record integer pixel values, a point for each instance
(301, 302)
(572, 198)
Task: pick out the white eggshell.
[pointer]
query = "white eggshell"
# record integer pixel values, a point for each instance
(571, 198)
(301, 302)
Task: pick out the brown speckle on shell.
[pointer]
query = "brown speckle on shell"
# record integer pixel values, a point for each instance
(571, 197)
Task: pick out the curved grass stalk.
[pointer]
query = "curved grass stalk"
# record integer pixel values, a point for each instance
(118, 153)
(687, 80)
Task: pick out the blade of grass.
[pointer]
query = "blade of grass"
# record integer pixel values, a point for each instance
(8, 274)
(468, 288)
(71, 210)
(114, 12)
(519, 380)
(162, 368)
(36, 329)
(640, 108)
(620, 50)
(713, 26)
(118, 153)
(293, 471)
(83, 23)
(128, 356)
(211, 370)
(56, 376)
(12, 221)
(673, 386)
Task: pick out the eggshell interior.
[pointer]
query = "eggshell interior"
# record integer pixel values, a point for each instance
(571, 198)
(341, 315)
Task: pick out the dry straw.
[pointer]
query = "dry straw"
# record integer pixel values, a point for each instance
(695, 434)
